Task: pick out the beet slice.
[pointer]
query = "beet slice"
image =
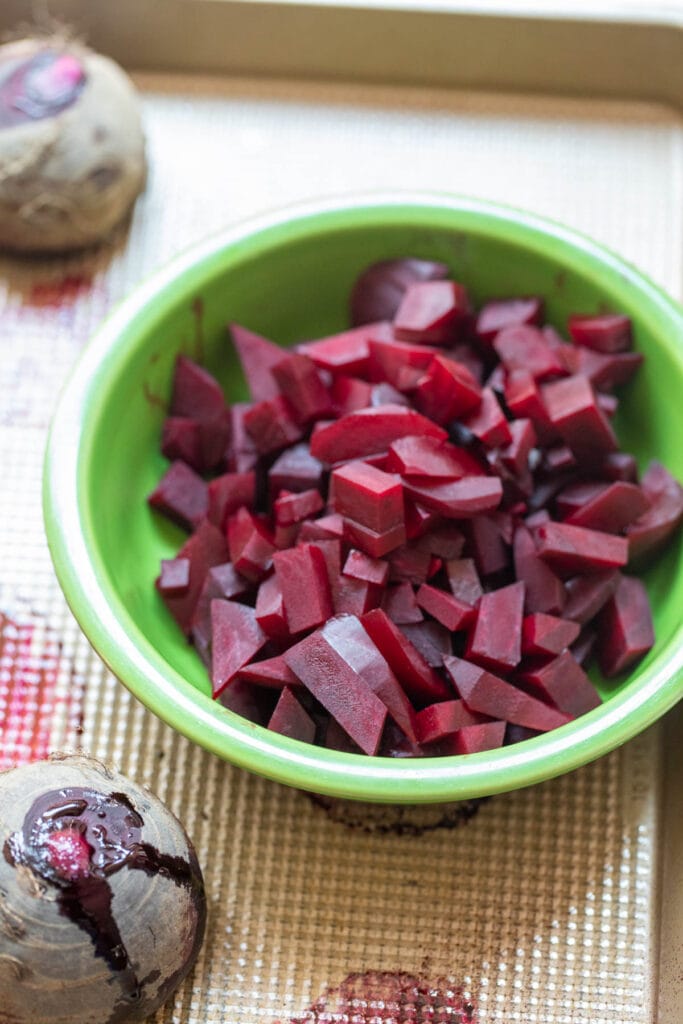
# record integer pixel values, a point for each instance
(290, 719)
(181, 438)
(606, 332)
(447, 390)
(270, 609)
(174, 578)
(428, 457)
(650, 532)
(251, 546)
(400, 604)
(372, 542)
(547, 635)
(586, 595)
(431, 312)
(495, 640)
(331, 550)
(379, 289)
(181, 495)
(271, 425)
(273, 673)
(204, 549)
(445, 608)
(463, 579)
(235, 638)
(421, 683)
(613, 509)
(625, 627)
(346, 352)
(544, 591)
(340, 689)
(368, 496)
(563, 683)
(302, 575)
(229, 492)
(257, 356)
(303, 387)
(489, 695)
(524, 347)
(431, 639)
(439, 720)
(573, 550)
(460, 499)
(584, 647)
(498, 314)
(573, 410)
(292, 508)
(368, 432)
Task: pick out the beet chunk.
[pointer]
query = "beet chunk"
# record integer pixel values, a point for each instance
(373, 570)
(198, 396)
(463, 580)
(368, 432)
(544, 591)
(606, 332)
(272, 673)
(473, 739)
(496, 638)
(302, 575)
(204, 549)
(303, 387)
(523, 399)
(271, 425)
(564, 684)
(181, 495)
(546, 634)
(290, 719)
(379, 289)
(461, 499)
(439, 720)
(651, 531)
(625, 627)
(431, 312)
(368, 496)
(445, 608)
(290, 508)
(257, 356)
(229, 492)
(181, 439)
(400, 604)
(431, 639)
(235, 638)
(295, 470)
(447, 390)
(574, 411)
(574, 549)
(251, 546)
(372, 542)
(427, 457)
(270, 609)
(488, 423)
(347, 352)
(220, 581)
(175, 576)
(422, 684)
(524, 347)
(490, 695)
(586, 595)
(613, 509)
(498, 314)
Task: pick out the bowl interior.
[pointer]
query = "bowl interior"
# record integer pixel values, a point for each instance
(290, 281)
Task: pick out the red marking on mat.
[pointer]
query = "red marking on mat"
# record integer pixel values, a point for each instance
(29, 669)
(62, 292)
(388, 997)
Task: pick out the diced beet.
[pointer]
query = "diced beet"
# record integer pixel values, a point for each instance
(420, 521)
(331, 550)
(515, 456)
(607, 403)
(349, 394)
(295, 470)
(518, 733)
(613, 509)
(368, 432)
(431, 312)
(174, 578)
(229, 492)
(340, 689)
(605, 332)
(301, 384)
(490, 695)
(574, 412)
(498, 314)
(326, 528)
(465, 353)
(619, 466)
(544, 591)
(487, 546)
(378, 290)
(181, 439)
(335, 738)
(271, 425)
(302, 575)
(651, 531)
(495, 640)
(625, 627)
(431, 639)
(257, 356)
(445, 608)
(398, 362)
(563, 683)
(606, 372)
(546, 634)
(181, 495)
(292, 508)
(273, 673)
(251, 546)
(445, 541)
(242, 454)
(290, 719)
(410, 564)
(463, 579)
(198, 396)
(523, 399)
(557, 460)
(220, 581)
(573, 550)
(270, 609)
(524, 347)
(489, 424)
(438, 720)
(368, 496)
(473, 739)
(428, 457)
(447, 391)
(356, 597)
(572, 498)
(460, 499)
(422, 684)
(235, 638)
(359, 566)
(586, 595)
(247, 701)
(400, 605)
(347, 352)
(372, 542)
(583, 648)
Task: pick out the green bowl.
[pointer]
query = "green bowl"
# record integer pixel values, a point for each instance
(288, 276)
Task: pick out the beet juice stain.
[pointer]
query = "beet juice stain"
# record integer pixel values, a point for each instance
(75, 839)
(389, 997)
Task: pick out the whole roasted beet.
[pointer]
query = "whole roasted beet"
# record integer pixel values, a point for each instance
(101, 896)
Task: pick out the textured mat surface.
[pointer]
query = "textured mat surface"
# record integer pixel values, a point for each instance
(535, 907)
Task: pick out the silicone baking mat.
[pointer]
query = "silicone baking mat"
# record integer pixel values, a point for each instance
(537, 906)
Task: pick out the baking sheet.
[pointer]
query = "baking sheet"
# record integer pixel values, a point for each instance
(539, 906)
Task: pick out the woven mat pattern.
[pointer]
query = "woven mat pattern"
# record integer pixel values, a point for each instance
(535, 907)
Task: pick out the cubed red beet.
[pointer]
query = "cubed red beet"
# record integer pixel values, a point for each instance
(474, 739)
(251, 546)
(525, 347)
(174, 578)
(247, 701)
(613, 509)
(420, 681)
(650, 532)
(302, 575)
(270, 609)
(604, 332)
(573, 410)
(444, 541)
(447, 391)
(445, 608)
(181, 495)
(606, 372)
(198, 396)
(488, 547)
(235, 638)
(586, 595)
(229, 492)
(498, 314)
(515, 456)
(523, 399)
(544, 591)
(625, 630)
(495, 640)
(295, 470)
(420, 521)
(372, 542)
(489, 695)
(242, 454)
(326, 528)
(572, 498)
(460, 499)
(220, 581)
(356, 597)
(290, 719)
(349, 394)
(562, 683)
(439, 720)
(572, 550)
(378, 290)
(547, 634)
(619, 466)
(489, 423)
(271, 425)
(428, 457)
(412, 564)
(400, 604)
(431, 312)
(558, 460)
(257, 356)
(361, 567)
(301, 384)
(291, 508)
(368, 496)
(397, 362)
(584, 647)
(368, 432)
(608, 403)
(181, 439)
(273, 673)
(463, 579)
(431, 639)
(347, 352)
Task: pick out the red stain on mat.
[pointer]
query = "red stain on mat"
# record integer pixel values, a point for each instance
(29, 670)
(388, 997)
(62, 292)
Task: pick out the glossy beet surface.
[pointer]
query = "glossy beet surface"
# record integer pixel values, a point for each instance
(104, 562)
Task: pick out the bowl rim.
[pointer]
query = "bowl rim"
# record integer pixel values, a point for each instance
(113, 634)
